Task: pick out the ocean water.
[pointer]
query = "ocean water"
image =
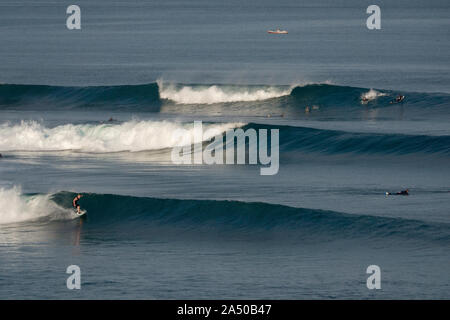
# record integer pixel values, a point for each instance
(160, 230)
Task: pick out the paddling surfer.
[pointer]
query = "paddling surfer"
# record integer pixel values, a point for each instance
(400, 193)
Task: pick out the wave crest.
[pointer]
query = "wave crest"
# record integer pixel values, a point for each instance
(127, 136)
(185, 94)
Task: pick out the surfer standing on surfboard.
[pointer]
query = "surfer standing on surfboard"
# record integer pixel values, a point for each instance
(75, 203)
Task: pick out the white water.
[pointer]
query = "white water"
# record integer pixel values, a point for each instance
(15, 207)
(218, 94)
(128, 136)
(372, 94)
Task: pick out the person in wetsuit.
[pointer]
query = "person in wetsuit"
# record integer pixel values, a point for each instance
(398, 99)
(75, 203)
(403, 193)
(400, 193)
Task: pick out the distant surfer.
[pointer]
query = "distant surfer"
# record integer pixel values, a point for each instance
(75, 203)
(400, 193)
(111, 119)
(398, 99)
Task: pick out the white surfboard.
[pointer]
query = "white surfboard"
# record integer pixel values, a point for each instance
(82, 213)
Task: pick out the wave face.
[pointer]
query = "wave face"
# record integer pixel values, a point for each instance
(47, 97)
(127, 136)
(150, 97)
(138, 213)
(339, 142)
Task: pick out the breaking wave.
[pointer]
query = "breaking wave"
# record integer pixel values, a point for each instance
(132, 135)
(16, 207)
(151, 97)
(136, 215)
(185, 94)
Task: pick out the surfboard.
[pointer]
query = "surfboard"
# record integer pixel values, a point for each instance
(82, 213)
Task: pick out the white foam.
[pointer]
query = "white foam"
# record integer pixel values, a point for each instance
(372, 94)
(128, 136)
(185, 94)
(15, 207)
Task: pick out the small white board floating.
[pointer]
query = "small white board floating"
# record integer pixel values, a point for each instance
(278, 31)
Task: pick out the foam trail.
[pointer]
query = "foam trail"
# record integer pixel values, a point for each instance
(128, 136)
(372, 94)
(15, 207)
(184, 94)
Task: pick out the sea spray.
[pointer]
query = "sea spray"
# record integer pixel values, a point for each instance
(371, 95)
(16, 207)
(185, 94)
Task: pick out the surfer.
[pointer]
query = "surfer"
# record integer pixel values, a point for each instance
(75, 203)
(398, 99)
(111, 119)
(400, 193)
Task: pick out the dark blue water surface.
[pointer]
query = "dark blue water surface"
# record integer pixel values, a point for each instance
(94, 111)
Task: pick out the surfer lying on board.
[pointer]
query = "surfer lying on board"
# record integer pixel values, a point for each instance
(398, 99)
(401, 193)
(75, 203)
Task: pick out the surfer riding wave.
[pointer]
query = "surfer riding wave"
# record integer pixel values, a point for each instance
(75, 203)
